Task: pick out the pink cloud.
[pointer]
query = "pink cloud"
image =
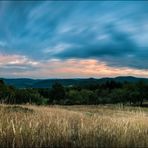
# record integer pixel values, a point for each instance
(55, 68)
(81, 68)
(16, 59)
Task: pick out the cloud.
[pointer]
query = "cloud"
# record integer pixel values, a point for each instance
(57, 48)
(118, 43)
(114, 33)
(16, 62)
(116, 48)
(69, 69)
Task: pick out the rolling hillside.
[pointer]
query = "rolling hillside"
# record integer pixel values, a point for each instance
(46, 83)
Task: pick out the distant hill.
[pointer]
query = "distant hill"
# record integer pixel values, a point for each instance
(20, 82)
(46, 83)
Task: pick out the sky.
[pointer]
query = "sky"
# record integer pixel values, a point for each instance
(73, 39)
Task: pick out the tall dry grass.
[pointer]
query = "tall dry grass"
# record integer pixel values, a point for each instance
(31, 126)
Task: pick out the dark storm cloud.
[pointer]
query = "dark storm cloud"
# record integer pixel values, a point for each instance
(116, 44)
(118, 49)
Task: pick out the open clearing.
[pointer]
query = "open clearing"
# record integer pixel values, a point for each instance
(73, 126)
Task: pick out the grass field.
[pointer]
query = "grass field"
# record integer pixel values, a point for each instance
(73, 126)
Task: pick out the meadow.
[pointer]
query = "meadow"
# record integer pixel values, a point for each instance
(73, 126)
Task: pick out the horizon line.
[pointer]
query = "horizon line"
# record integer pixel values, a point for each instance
(70, 78)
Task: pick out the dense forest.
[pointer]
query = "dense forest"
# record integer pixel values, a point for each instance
(109, 92)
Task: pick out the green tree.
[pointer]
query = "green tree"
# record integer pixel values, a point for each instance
(118, 95)
(57, 92)
(142, 89)
(75, 97)
(6, 93)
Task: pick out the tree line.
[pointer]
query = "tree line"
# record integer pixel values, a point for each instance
(109, 92)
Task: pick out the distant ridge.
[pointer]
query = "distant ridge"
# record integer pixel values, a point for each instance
(46, 83)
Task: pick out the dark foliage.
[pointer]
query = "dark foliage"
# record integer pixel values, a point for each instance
(103, 93)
